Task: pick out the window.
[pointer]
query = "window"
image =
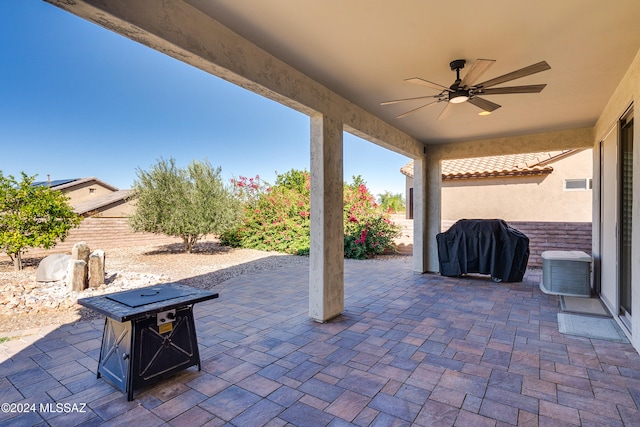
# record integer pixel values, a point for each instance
(577, 184)
(92, 190)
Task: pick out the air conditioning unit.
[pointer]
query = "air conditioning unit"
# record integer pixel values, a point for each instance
(566, 273)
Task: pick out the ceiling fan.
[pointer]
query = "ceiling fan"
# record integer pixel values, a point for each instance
(467, 90)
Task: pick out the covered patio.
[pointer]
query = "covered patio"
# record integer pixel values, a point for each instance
(396, 347)
(349, 65)
(407, 349)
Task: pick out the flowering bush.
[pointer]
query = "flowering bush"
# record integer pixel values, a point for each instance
(277, 218)
(368, 230)
(249, 190)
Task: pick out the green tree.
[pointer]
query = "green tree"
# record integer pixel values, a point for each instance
(294, 180)
(186, 203)
(32, 217)
(392, 202)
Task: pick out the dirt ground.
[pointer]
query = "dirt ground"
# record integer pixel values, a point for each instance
(209, 265)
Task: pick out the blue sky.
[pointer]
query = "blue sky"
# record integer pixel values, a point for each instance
(77, 100)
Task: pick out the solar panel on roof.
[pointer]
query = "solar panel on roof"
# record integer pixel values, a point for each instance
(53, 183)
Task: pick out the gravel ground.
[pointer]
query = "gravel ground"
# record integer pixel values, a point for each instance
(27, 304)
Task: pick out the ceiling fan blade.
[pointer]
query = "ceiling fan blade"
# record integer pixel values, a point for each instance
(407, 99)
(512, 89)
(446, 112)
(423, 82)
(484, 104)
(415, 109)
(476, 70)
(523, 72)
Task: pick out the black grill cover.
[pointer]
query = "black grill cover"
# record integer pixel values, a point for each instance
(485, 246)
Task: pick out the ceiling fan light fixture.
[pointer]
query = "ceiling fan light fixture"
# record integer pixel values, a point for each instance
(467, 90)
(459, 96)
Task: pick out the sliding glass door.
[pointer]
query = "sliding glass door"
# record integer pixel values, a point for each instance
(625, 219)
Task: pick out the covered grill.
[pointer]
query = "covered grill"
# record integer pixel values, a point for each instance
(484, 246)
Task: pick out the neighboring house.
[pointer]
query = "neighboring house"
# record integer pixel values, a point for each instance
(544, 195)
(112, 205)
(545, 186)
(105, 209)
(92, 197)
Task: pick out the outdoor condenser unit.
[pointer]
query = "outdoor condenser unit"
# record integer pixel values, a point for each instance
(566, 273)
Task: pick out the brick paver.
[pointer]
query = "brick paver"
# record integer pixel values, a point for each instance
(408, 349)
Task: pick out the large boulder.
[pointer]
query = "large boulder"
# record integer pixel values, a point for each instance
(53, 268)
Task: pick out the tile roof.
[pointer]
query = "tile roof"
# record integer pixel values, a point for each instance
(496, 166)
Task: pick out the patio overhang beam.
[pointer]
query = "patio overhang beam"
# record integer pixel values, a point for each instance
(568, 139)
(185, 33)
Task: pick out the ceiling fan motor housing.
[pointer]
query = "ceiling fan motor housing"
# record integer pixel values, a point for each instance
(456, 94)
(457, 64)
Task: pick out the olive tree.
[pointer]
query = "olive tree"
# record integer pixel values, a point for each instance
(186, 203)
(32, 216)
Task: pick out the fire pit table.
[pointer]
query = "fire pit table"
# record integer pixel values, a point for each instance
(149, 333)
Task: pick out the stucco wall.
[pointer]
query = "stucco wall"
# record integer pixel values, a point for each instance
(83, 192)
(605, 235)
(535, 198)
(122, 210)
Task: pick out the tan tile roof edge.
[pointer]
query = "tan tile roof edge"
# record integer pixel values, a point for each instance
(101, 201)
(497, 166)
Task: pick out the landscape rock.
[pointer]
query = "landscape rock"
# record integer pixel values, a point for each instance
(81, 251)
(96, 269)
(77, 275)
(25, 304)
(53, 268)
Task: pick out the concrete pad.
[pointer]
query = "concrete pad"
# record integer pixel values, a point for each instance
(590, 327)
(593, 306)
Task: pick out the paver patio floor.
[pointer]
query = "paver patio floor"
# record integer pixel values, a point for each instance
(408, 349)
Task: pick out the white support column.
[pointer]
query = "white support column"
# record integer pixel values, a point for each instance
(427, 179)
(326, 258)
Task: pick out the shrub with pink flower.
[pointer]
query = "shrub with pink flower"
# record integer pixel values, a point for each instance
(278, 217)
(249, 189)
(368, 231)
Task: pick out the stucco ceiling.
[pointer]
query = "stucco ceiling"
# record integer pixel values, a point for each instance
(364, 49)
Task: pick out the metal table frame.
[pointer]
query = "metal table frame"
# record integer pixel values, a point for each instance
(148, 342)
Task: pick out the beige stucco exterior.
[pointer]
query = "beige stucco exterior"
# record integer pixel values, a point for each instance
(93, 197)
(522, 198)
(86, 191)
(118, 210)
(606, 199)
